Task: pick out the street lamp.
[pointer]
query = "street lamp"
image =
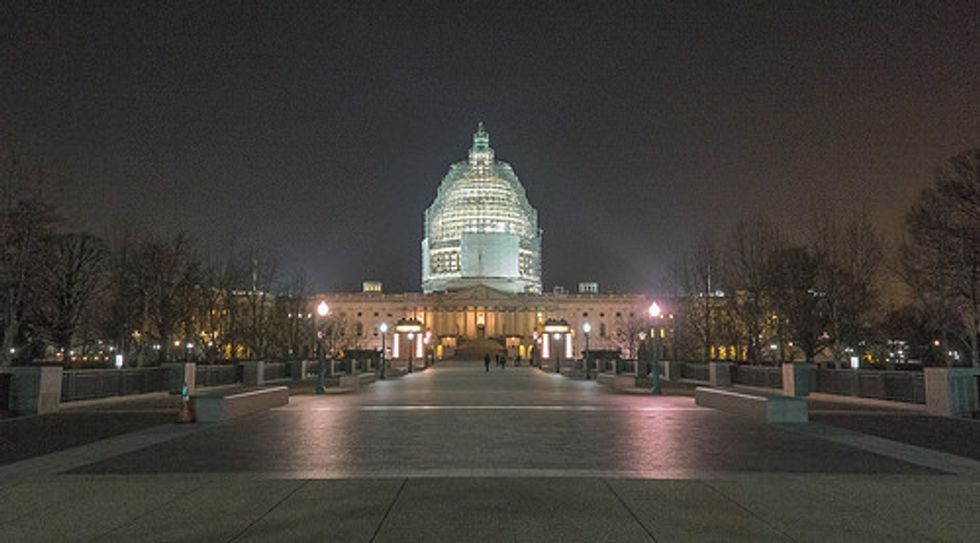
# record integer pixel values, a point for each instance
(556, 328)
(586, 328)
(384, 358)
(411, 327)
(322, 309)
(655, 313)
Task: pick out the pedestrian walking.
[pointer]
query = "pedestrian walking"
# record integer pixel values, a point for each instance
(517, 360)
(486, 362)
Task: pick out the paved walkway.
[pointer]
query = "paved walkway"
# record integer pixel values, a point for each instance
(456, 454)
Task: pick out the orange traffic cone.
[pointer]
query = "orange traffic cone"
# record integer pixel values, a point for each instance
(186, 415)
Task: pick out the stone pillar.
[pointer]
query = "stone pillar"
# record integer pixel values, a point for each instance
(254, 374)
(34, 390)
(952, 392)
(720, 374)
(180, 373)
(797, 379)
(672, 370)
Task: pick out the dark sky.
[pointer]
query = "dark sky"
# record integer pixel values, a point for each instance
(323, 132)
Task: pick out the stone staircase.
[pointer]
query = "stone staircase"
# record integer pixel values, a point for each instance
(476, 349)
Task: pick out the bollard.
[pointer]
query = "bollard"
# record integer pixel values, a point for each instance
(186, 416)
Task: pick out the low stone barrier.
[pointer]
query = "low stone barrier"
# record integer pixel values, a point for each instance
(756, 407)
(218, 407)
(357, 380)
(618, 382)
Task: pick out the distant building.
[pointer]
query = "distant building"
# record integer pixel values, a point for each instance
(481, 278)
(371, 286)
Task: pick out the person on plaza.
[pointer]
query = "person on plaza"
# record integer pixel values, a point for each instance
(517, 360)
(503, 360)
(486, 362)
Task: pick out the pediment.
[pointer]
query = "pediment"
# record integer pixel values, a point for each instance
(477, 292)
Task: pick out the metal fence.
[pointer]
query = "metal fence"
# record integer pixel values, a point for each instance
(216, 375)
(696, 371)
(757, 376)
(275, 370)
(91, 384)
(900, 386)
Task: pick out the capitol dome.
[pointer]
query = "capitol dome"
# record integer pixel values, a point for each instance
(481, 229)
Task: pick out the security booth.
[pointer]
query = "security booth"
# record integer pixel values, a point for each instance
(408, 344)
(556, 344)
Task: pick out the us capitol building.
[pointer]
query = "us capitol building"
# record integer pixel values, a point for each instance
(481, 279)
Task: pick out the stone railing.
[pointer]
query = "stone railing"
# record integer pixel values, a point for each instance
(899, 386)
(757, 376)
(696, 371)
(92, 384)
(217, 375)
(274, 371)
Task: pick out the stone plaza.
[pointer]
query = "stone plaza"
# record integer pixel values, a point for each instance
(456, 453)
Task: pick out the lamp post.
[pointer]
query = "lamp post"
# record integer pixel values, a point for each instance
(412, 328)
(655, 314)
(322, 309)
(556, 328)
(384, 357)
(586, 328)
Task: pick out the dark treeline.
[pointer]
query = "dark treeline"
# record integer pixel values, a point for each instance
(77, 297)
(759, 295)
(753, 294)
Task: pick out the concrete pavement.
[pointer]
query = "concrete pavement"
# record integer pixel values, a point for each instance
(455, 454)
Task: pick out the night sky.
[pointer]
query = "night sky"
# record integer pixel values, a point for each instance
(322, 133)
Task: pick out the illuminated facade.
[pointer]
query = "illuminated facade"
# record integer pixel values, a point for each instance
(481, 281)
(481, 229)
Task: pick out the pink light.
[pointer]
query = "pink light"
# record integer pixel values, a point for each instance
(569, 352)
(546, 349)
(394, 347)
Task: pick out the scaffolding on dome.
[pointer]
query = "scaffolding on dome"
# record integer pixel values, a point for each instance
(481, 229)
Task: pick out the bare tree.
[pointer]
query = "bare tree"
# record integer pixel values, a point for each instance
(295, 329)
(627, 333)
(942, 256)
(73, 276)
(258, 298)
(167, 274)
(697, 276)
(800, 306)
(751, 247)
(26, 222)
(849, 255)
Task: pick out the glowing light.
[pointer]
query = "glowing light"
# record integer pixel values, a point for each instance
(654, 310)
(586, 328)
(383, 328)
(119, 360)
(557, 336)
(322, 309)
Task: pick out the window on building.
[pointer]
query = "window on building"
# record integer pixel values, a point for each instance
(602, 329)
(585, 313)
